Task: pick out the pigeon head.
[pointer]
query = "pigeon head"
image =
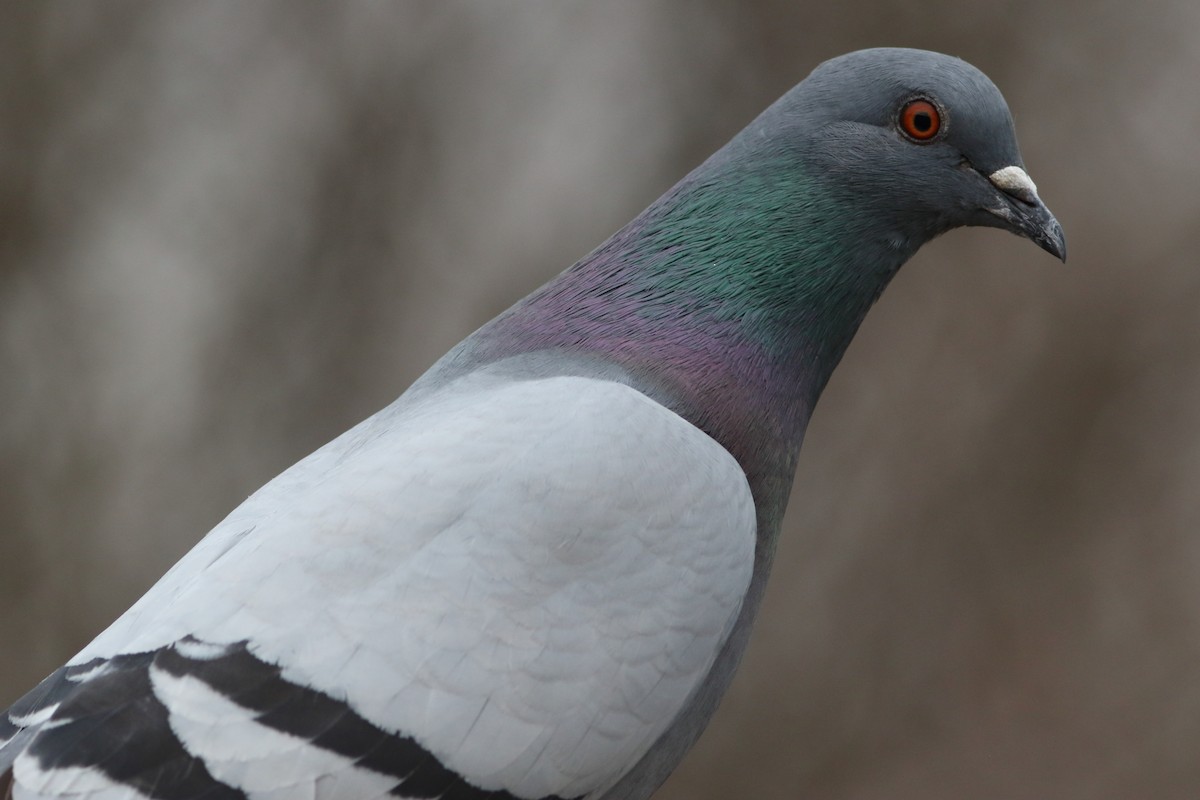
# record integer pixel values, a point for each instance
(924, 142)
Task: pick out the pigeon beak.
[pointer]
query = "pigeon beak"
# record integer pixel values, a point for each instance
(1025, 214)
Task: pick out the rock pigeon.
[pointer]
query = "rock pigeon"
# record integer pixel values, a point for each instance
(532, 576)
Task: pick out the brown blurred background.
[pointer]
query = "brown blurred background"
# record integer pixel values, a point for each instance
(229, 230)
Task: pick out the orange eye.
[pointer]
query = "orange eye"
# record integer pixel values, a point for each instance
(920, 120)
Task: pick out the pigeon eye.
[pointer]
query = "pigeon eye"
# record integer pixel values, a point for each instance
(920, 120)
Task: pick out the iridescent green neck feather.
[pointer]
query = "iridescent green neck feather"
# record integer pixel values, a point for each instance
(730, 300)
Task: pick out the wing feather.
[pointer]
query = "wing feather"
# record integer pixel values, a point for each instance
(526, 580)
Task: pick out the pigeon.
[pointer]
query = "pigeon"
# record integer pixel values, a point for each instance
(532, 576)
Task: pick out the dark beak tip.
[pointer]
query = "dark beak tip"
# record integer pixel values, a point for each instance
(1055, 242)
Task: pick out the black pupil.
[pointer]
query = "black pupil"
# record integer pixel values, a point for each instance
(922, 121)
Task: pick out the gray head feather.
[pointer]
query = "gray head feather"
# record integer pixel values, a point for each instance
(843, 124)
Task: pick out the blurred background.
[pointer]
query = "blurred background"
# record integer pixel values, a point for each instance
(229, 231)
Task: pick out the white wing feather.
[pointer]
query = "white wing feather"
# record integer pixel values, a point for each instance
(529, 578)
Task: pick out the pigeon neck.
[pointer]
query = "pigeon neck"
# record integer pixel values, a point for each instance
(730, 300)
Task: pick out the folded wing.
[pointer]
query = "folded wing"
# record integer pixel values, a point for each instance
(506, 592)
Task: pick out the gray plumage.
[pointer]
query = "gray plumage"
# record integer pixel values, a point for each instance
(533, 575)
